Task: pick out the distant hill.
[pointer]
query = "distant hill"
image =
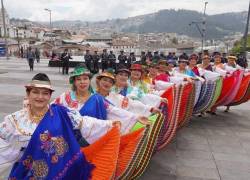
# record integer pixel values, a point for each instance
(172, 21)
(217, 26)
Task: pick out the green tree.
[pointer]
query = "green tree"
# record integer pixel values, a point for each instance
(238, 46)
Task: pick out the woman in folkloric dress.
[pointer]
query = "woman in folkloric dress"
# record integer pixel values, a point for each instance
(38, 141)
(88, 103)
(136, 78)
(206, 63)
(123, 88)
(105, 81)
(193, 64)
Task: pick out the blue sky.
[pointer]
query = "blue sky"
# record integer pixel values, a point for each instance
(95, 10)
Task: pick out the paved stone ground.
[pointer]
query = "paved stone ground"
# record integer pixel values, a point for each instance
(213, 147)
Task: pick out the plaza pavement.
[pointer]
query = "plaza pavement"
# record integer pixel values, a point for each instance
(209, 148)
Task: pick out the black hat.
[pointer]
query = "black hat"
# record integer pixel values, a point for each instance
(206, 52)
(216, 53)
(193, 56)
(122, 68)
(183, 58)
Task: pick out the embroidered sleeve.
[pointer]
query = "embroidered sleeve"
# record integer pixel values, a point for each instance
(7, 129)
(75, 117)
(9, 147)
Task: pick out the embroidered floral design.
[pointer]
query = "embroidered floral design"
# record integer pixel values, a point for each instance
(53, 146)
(40, 169)
(37, 169)
(71, 103)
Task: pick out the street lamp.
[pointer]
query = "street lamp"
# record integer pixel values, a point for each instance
(246, 33)
(203, 24)
(50, 23)
(4, 30)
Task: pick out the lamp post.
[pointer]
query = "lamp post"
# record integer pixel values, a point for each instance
(203, 24)
(4, 30)
(50, 23)
(246, 33)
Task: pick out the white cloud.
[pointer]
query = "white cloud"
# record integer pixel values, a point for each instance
(94, 10)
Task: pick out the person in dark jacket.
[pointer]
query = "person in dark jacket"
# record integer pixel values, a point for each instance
(131, 59)
(162, 56)
(169, 56)
(224, 58)
(156, 56)
(30, 57)
(112, 60)
(143, 58)
(149, 56)
(241, 60)
(96, 59)
(37, 54)
(105, 58)
(65, 57)
(174, 56)
(21, 52)
(122, 58)
(88, 59)
(199, 58)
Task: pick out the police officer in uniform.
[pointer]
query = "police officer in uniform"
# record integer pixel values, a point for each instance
(112, 60)
(88, 59)
(105, 58)
(131, 59)
(96, 59)
(122, 58)
(143, 58)
(65, 60)
(149, 56)
(156, 56)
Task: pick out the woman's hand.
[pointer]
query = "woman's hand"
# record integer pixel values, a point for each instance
(155, 110)
(117, 124)
(164, 100)
(188, 79)
(144, 120)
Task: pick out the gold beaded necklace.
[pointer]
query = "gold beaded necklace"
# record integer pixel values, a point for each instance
(36, 118)
(82, 99)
